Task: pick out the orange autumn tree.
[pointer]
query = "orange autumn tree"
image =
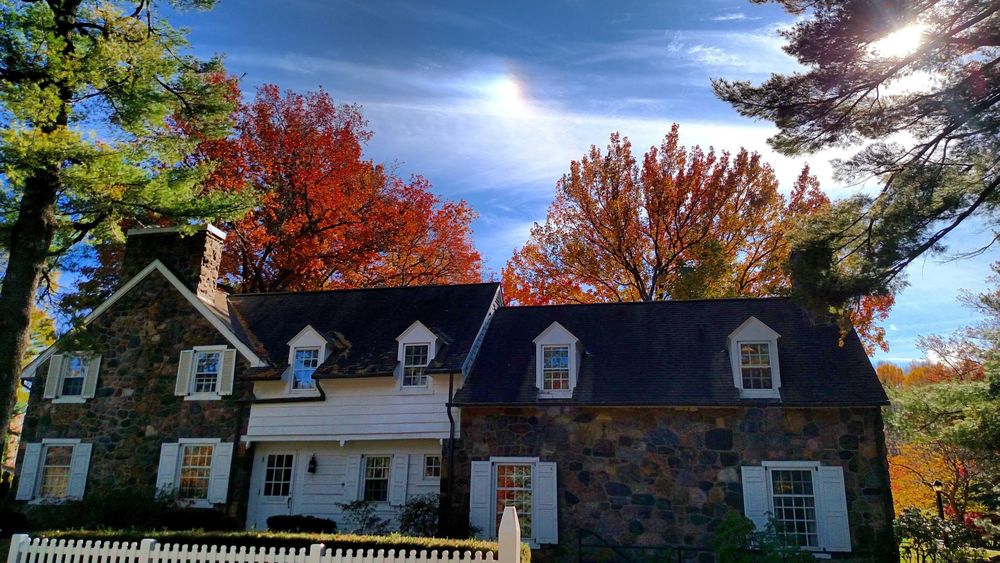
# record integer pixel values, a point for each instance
(679, 224)
(328, 217)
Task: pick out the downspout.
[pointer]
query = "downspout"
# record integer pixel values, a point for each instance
(451, 454)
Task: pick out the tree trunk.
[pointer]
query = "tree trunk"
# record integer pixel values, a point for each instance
(30, 239)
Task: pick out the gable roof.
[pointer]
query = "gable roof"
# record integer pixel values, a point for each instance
(366, 323)
(218, 319)
(670, 353)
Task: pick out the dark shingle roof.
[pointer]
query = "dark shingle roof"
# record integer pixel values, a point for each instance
(670, 353)
(363, 324)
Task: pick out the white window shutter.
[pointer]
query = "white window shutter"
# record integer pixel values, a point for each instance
(78, 470)
(351, 475)
(218, 485)
(545, 524)
(481, 500)
(90, 383)
(184, 372)
(398, 479)
(29, 472)
(756, 506)
(166, 473)
(227, 373)
(52, 379)
(834, 526)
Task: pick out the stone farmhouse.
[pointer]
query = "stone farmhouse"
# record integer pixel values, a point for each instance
(642, 424)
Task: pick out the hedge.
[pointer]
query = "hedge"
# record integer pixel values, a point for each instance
(285, 539)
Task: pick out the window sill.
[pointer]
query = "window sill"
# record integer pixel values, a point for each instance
(417, 390)
(51, 501)
(204, 503)
(555, 394)
(203, 397)
(759, 394)
(73, 400)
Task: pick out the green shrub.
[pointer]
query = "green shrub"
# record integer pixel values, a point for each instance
(737, 541)
(361, 514)
(420, 516)
(921, 538)
(301, 523)
(288, 540)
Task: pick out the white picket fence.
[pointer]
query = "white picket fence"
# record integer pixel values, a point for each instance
(25, 549)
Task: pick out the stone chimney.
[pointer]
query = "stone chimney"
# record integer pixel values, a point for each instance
(194, 258)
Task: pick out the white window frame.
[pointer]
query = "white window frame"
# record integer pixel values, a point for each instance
(813, 468)
(556, 335)
(364, 477)
(495, 461)
(417, 334)
(440, 467)
(205, 395)
(426, 377)
(753, 331)
(36, 495)
(182, 443)
(292, 379)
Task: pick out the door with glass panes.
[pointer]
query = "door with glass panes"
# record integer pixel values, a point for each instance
(274, 491)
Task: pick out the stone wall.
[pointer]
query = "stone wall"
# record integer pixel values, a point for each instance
(135, 410)
(666, 476)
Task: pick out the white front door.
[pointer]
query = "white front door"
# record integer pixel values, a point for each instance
(274, 490)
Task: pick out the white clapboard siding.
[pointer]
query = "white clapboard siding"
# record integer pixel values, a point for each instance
(756, 506)
(24, 548)
(29, 471)
(372, 409)
(53, 377)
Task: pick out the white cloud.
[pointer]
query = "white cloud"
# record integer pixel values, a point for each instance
(736, 16)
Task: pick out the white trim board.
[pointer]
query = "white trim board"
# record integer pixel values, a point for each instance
(255, 361)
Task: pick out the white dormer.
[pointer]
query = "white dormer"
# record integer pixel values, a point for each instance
(417, 347)
(753, 355)
(306, 351)
(557, 361)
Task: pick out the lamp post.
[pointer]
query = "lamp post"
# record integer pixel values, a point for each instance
(938, 487)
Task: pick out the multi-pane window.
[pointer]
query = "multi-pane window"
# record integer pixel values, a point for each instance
(306, 362)
(196, 471)
(278, 475)
(755, 365)
(432, 466)
(74, 374)
(794, 503)
(55, 471)
(415, 358)
(555, 368)
(206, 371)
(377, 478)
(514, 489)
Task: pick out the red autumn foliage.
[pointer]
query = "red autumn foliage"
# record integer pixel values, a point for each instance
(328, 217)
(681, 224)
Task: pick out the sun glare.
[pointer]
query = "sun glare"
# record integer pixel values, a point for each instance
(508, 95)
(899, 43)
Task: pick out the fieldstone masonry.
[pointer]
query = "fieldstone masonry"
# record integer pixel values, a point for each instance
(667, 476)
(140, 338)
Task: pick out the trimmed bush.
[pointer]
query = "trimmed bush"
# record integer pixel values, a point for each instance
(301, 524)
(282, 539)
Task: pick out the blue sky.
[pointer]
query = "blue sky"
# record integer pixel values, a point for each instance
(492, 100)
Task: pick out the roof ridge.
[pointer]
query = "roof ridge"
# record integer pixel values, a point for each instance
(357, 289)
(656, 302)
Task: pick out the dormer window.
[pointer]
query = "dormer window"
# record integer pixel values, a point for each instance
(555, 368)
(753, 354)
(415, 360)
(418, 346)
(306, 362)
(557, 354)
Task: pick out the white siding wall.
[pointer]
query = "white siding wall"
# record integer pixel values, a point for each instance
(317, 494)
(355, 409)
